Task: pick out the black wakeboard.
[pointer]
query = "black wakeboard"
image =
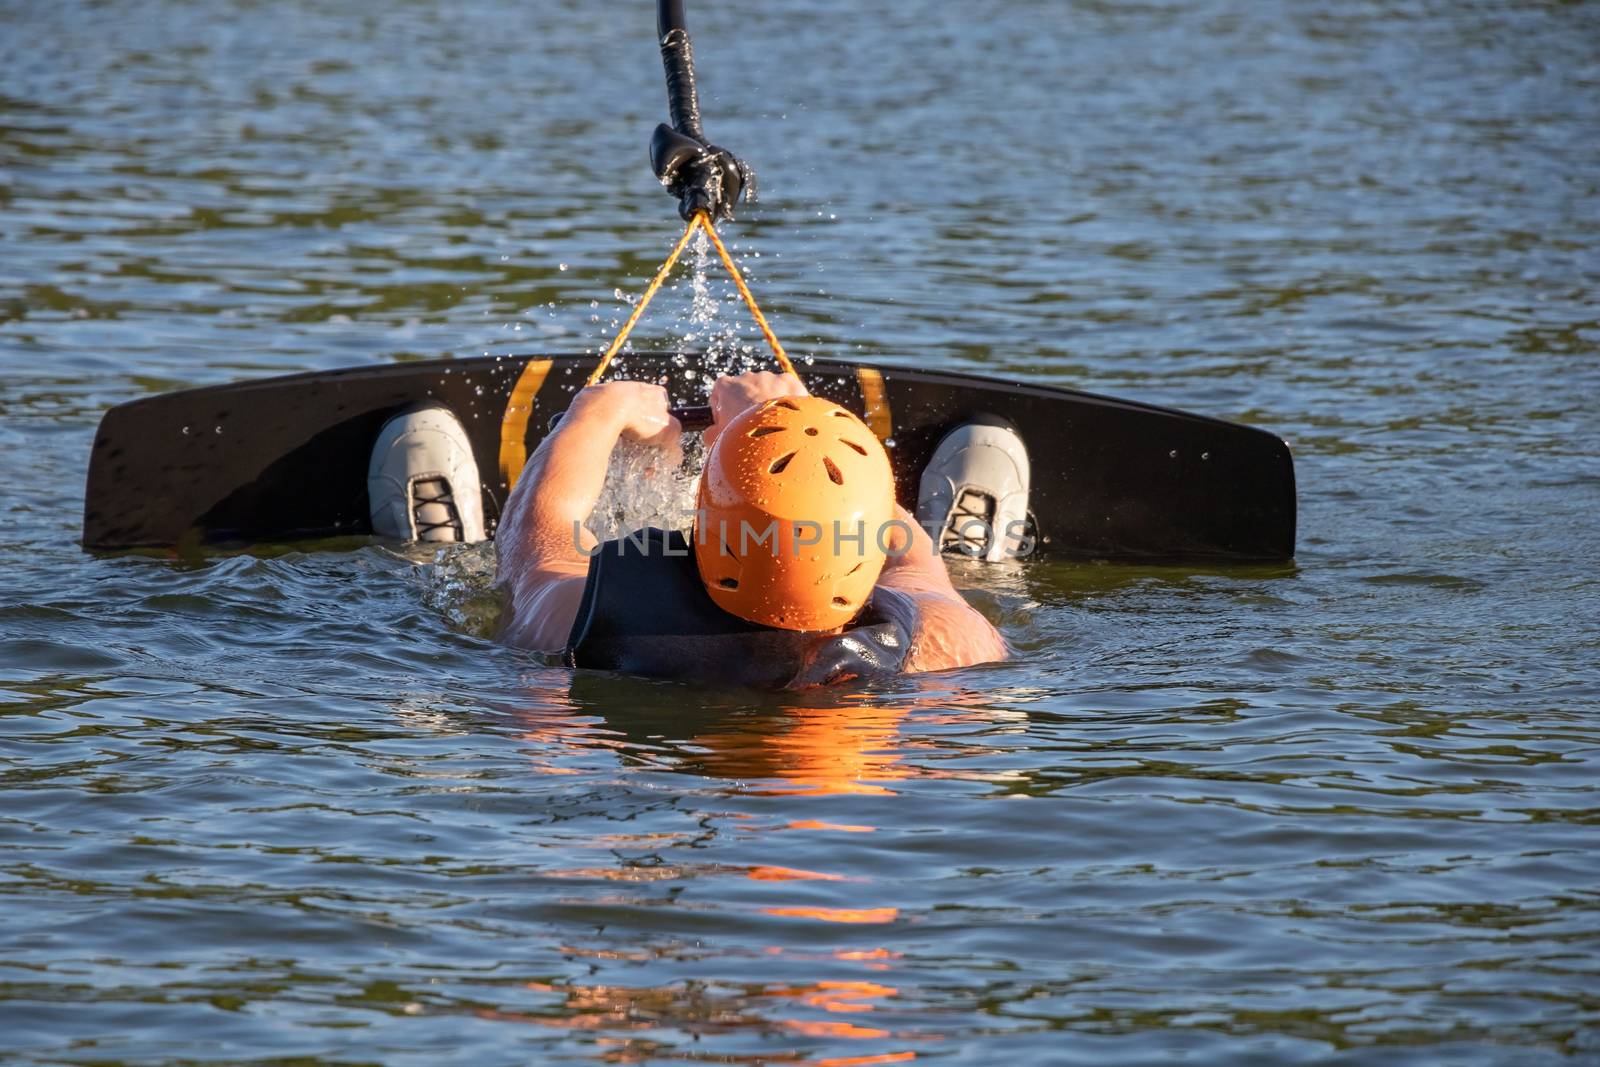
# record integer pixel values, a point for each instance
(285, 458)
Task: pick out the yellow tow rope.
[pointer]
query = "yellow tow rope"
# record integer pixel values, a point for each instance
(701, 220)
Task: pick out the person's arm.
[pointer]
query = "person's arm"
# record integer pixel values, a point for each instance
(542, 544)
(950, 632)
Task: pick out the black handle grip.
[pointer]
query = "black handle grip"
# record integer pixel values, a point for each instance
(697, 417)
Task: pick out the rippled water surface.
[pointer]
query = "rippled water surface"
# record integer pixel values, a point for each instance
(294, 805)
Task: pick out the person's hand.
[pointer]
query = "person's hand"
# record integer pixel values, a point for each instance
(734, 394)
(638, 410)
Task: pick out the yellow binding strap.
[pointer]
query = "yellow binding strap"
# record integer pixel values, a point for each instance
(514, 423)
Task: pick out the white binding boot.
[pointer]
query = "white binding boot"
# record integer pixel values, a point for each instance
(422, 483)
(973, 497)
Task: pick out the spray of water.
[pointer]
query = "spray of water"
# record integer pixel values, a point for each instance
(458, 584)
(647, 486)
(644, 485)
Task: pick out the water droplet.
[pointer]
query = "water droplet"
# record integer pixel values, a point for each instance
(186, 431)
(1205, 455)
(1173, 454)
(888, 442)
(217, 430)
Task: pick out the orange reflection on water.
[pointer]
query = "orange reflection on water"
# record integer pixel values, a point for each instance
(705, 1012)
(827, 1029)
(835, 996)
(843, 996)
(872, 960)
(790, 874)
(837, 915)
(784, 747)
(817, 824)
(813, 751)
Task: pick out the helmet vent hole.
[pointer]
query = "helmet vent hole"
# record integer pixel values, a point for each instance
(729, 583)
(840, 602)
(852, 444)
(833, 471)
(811, 431)
(762, 431)
(786, 403)
(840, 413)
(780, 463)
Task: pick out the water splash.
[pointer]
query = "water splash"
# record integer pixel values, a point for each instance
(647, 486)
(723, 348)
(458, 583)
(705, 339)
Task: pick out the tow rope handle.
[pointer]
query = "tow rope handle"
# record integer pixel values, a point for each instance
(701, 220)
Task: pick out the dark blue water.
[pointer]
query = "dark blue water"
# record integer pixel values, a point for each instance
(296, 806)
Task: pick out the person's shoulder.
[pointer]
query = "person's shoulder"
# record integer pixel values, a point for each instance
(951, 633)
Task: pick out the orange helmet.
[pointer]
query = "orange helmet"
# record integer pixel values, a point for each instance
(794, 506)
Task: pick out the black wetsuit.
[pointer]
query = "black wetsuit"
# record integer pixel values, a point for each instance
(645, 611)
